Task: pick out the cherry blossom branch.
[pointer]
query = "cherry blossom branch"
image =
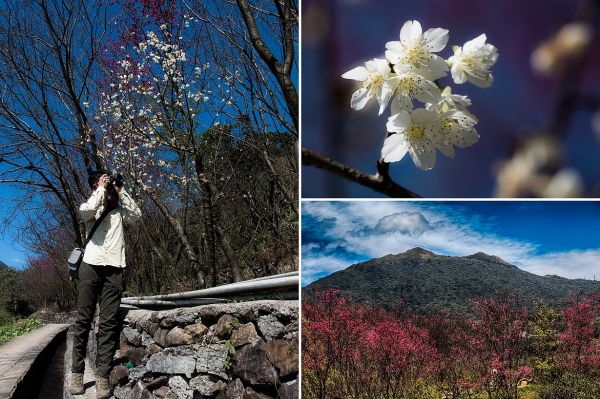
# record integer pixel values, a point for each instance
(380, 182)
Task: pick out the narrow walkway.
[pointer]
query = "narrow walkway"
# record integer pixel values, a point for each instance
(88, 376)
(18, 356)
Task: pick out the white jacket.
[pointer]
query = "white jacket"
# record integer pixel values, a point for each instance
(107, 246)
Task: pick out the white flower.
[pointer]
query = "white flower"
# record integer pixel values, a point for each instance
(448, 102)
(409, 86)
(473, 61)
(375, 78)
(415, 133)
(456, 129)
(414, 51)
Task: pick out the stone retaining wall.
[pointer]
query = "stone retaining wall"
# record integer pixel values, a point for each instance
(244, 350)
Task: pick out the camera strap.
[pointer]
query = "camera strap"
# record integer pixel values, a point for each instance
(107, 209)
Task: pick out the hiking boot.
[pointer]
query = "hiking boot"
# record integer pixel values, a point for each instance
(102, 390)
(77, 384)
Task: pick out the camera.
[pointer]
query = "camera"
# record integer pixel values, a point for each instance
(112, 196)
(116, 179)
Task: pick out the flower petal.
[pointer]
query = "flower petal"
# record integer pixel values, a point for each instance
(392, 55)
(378, 65)
(359, 73)
(464, 136)
(458, 74)
(394, 148)
(360, 98)
(475, 44)
(464, 118)
(426, 91)
(461, 102)
(401, 103)
(483, 81)
(436, 39)
(421, 115)
(387, 91)
(436, 68)
(410, 31)
(423, 156)
(398, 122)
(446, 149)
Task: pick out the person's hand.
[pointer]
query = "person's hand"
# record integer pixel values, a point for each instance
(103, 181)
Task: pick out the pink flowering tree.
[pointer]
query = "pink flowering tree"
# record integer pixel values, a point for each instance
(331, 342)
(499, 342)
(400, 354)
(579, 346)
(356, 351)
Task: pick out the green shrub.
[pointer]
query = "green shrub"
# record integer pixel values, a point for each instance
(572, 386)
(421, 390)
(18, 327)
(5, 317)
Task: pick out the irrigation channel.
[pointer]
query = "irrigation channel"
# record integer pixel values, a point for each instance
(33, 366)
(52, 374)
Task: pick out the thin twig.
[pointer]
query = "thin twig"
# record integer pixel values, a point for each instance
(569, 84)
(380, 182)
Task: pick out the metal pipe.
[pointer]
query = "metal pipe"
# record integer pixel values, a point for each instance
(205, 301)
(180, 302)
(296, 273)
(279, 283)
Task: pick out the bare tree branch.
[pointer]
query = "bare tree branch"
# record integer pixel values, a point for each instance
(381, 182)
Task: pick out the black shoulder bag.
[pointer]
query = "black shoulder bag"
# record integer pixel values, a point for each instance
(77, 254)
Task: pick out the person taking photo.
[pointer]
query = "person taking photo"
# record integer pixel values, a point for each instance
(100, 276)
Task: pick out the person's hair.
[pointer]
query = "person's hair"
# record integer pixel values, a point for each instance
(94, 175)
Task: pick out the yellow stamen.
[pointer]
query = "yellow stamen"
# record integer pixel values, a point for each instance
(416, 131)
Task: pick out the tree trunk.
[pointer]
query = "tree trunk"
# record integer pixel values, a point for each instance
(207, 194)
(188, 250)
(211, 257)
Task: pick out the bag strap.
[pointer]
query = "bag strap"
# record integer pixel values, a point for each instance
(107, 209)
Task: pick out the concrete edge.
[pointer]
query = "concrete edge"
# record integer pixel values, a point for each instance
(24, 383)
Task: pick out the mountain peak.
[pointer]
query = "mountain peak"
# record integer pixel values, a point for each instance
(486, 257)
(420, 252)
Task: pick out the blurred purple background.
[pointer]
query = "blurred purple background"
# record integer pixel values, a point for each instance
(339, 35)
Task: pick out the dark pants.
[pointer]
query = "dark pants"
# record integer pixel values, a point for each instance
(105, 283)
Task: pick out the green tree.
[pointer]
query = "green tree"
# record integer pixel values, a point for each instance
(545, 339)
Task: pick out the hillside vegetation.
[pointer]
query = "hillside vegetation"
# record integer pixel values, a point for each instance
(428, 283)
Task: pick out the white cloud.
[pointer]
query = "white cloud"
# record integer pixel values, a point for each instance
(571, 264)
(433, 230)
(376, 229)
(315, 267)
(410, 223)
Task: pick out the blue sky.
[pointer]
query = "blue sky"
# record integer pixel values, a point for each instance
(541, 237)
(11, 252)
